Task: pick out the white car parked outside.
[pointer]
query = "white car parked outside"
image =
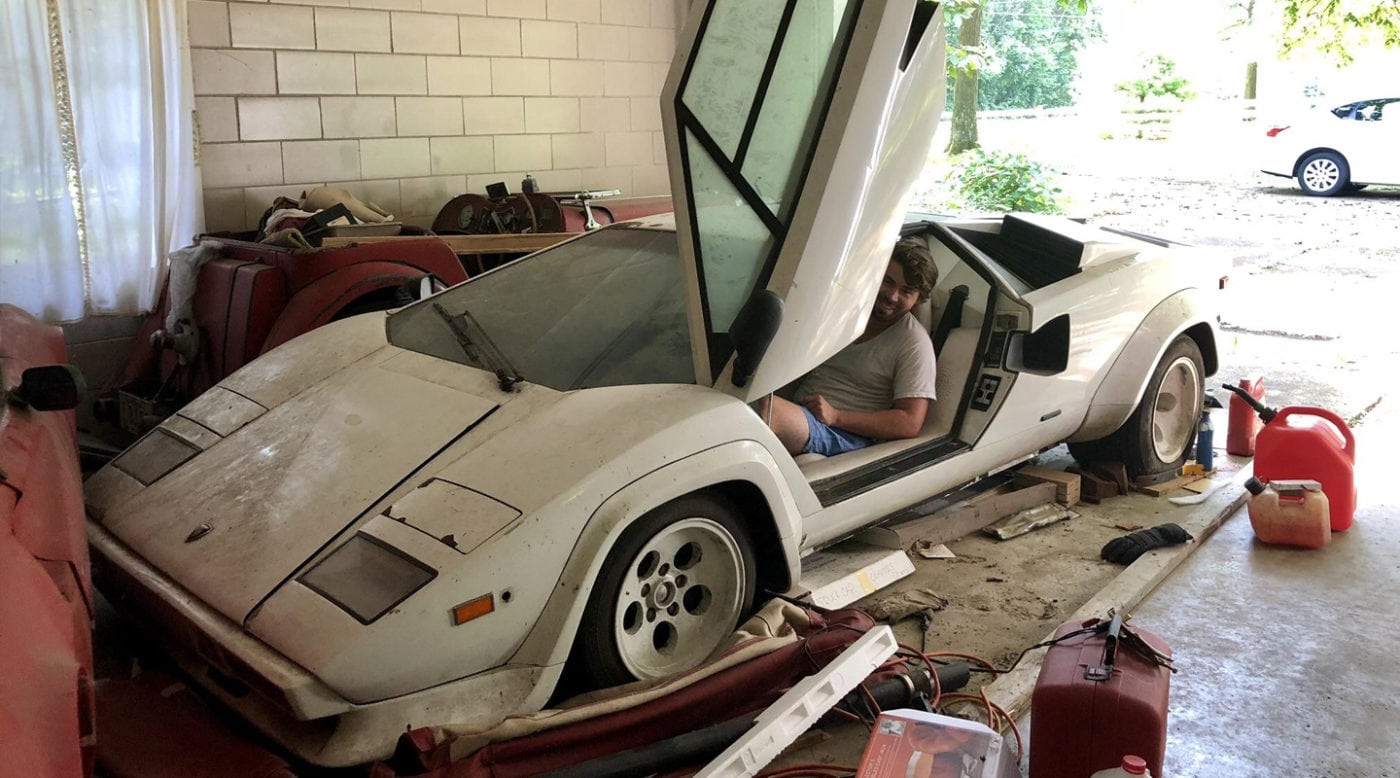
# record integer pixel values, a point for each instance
(1347, 147)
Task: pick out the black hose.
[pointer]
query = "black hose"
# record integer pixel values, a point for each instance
(1266, 414)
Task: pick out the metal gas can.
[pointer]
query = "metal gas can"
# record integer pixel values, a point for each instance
(1101, 693)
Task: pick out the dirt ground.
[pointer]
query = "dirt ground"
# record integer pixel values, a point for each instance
(1310, 279)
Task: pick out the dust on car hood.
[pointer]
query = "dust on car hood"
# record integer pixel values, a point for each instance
(279, 490)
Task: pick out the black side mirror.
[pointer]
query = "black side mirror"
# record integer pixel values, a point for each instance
(752, 332)
(1043, 352)
(49, 388)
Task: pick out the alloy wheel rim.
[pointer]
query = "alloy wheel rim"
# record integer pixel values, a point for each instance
(1175, 409)
(681, 597)
(1321, 174)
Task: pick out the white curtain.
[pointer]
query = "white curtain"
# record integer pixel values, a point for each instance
(98, 176)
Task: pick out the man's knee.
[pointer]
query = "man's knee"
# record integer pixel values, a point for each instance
(787, 422)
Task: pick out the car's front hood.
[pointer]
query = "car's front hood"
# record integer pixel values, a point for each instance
(277, 490)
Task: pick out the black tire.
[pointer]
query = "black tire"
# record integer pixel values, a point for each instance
(1144, 444)
(1324, 173)
(654, 610)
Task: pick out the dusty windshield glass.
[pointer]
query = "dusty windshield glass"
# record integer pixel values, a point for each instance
(605, 310)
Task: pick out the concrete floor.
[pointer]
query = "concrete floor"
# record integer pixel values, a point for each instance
(1287, 657)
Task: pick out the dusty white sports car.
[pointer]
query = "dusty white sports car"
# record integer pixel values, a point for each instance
(426, 516)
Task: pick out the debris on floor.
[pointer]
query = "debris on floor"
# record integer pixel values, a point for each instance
(970, 515)
(1028, 520)
(929, 550)
(902, 605)
(782, 671)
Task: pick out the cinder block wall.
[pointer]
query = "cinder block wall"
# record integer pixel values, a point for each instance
(407, 103)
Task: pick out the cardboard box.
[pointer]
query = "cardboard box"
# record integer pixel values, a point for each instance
(914, 744)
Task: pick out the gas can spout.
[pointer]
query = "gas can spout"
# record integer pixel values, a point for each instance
(1266, 414)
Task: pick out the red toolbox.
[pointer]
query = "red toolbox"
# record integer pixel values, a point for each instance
(1101, 694)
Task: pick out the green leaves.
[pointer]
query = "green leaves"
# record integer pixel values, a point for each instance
(1158, 78)
(999, 181)
(1333, 27)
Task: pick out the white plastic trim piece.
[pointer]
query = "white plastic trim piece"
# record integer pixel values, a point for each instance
(793, 713)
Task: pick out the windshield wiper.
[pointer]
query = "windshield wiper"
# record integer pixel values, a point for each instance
(486, 353)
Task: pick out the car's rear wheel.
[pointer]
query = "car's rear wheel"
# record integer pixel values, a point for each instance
(1157, 436)
(675, 586)
(1323, 174)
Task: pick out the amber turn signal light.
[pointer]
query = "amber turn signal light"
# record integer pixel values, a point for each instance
(472, 609)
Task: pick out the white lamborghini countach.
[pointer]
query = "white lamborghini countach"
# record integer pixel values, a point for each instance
(423, 517)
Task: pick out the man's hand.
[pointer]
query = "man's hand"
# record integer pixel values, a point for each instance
(904, 420)
(821, 409)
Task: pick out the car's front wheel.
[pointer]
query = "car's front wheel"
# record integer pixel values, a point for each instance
(1323, 174)
(1157, 436)
(675, 585)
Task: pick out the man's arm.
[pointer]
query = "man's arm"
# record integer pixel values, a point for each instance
(904, 420)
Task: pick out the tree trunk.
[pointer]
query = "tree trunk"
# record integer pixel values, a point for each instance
(1251, 80)
(964, 135)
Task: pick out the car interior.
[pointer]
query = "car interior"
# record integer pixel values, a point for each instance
(979, 341)
(955, 316)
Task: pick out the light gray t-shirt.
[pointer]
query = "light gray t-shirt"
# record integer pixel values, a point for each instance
(870, 376)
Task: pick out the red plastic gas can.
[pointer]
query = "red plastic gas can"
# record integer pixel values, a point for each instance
(1305, 443)
(1084, 719)
(1244, 422)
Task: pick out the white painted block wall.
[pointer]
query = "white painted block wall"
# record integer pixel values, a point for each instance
(409, 102)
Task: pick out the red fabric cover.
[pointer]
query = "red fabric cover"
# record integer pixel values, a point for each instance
(46, 722)
(153, 726)
(744, 689)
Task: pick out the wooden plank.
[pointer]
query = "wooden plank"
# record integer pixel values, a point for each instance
(1113, 471)
(1094, 488)
(971, 515)
(466, 244)
(1157, 490)
(1066, 484)
(1203, 485)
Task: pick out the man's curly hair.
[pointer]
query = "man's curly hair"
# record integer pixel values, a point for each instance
(913, 255)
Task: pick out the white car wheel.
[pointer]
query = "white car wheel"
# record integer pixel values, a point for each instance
(1155, 438)
(672, 590)
(1176, 409)
(1323, 174)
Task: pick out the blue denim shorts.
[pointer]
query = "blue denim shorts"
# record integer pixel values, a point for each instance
(830, 441)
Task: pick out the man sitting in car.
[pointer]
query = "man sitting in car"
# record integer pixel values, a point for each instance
(879, 387)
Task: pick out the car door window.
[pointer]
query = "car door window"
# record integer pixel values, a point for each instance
(750, 106)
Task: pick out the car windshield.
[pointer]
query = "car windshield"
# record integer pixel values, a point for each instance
(607, 309)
